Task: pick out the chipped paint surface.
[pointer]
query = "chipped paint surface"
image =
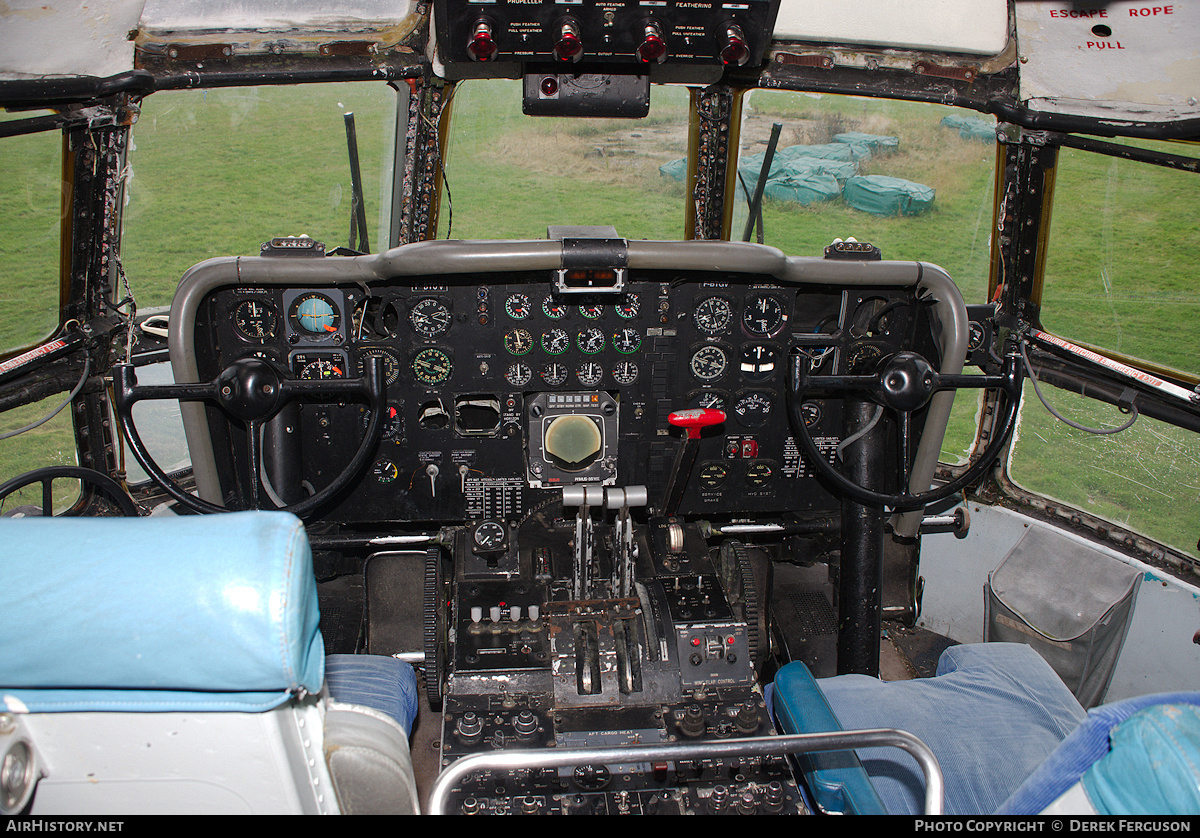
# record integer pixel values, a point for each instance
(93, 38)
(52, 38)
(1118, 60)
(256, 26)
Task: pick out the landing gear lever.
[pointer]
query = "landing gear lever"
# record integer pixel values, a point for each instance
(694, 421)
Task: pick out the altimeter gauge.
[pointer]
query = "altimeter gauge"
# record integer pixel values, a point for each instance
(763, 316)
(255, 319)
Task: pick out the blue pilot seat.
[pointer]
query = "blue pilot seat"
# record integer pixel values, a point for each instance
(1009, 736)
(175, 664)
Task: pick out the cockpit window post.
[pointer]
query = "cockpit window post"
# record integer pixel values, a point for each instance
(420, 172)
(94, 293)
(715, 127)
(1025, 197)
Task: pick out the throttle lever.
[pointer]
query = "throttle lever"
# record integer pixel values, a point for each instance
(694, 421)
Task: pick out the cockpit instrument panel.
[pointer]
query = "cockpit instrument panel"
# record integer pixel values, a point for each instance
(499, 389)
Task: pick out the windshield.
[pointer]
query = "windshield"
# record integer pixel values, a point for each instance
(263, 162)
(509, 176)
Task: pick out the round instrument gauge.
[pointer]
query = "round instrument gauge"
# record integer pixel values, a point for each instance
(708, 400)
(430, 317)
(713, 315)
(316, 368)
(391, 364)
(629, 307)
(811, 411)
(490, 535)
(554, 374)
(753, 410)
(590, 341)
(553, 308)
(255, 320)
(517, 306)
(627, 341)
(432, 366)
(392, 427)
(385, 471)
(592, 312)
(708, 363)
(589, 373)
(518, 375)
(625, 373)
(712, 475)
(759, 474)
(555, 342)
(518, 342)
(758, 361)
(315, 314)
(763, 316)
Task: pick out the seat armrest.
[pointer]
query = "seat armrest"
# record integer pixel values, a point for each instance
(836, 779)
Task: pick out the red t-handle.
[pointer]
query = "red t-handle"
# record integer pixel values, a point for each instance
(695, 419)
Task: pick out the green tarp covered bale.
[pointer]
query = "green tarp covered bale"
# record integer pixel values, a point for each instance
(804, 188)
(882, 195)
(877, 144)
(835, 159)
(675, 170)
(842, 170)
(971, 127)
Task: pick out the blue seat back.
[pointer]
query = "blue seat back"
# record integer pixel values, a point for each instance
(213, 612)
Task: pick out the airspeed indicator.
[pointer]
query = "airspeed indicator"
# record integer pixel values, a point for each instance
(432, 366)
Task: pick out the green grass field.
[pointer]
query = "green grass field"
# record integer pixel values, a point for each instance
(217, 172)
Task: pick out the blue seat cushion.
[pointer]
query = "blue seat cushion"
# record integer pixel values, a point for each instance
(1083, 748)
(209, 612)
(991, 715)
(381, 683)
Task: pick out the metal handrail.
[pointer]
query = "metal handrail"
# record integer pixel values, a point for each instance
(439, 796)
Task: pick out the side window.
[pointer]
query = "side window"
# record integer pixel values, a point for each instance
(31, 195)
(1121, 267)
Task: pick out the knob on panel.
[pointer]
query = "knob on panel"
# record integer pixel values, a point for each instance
(653, 48)
(736, 50)
(482, 46)
(568, 47)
